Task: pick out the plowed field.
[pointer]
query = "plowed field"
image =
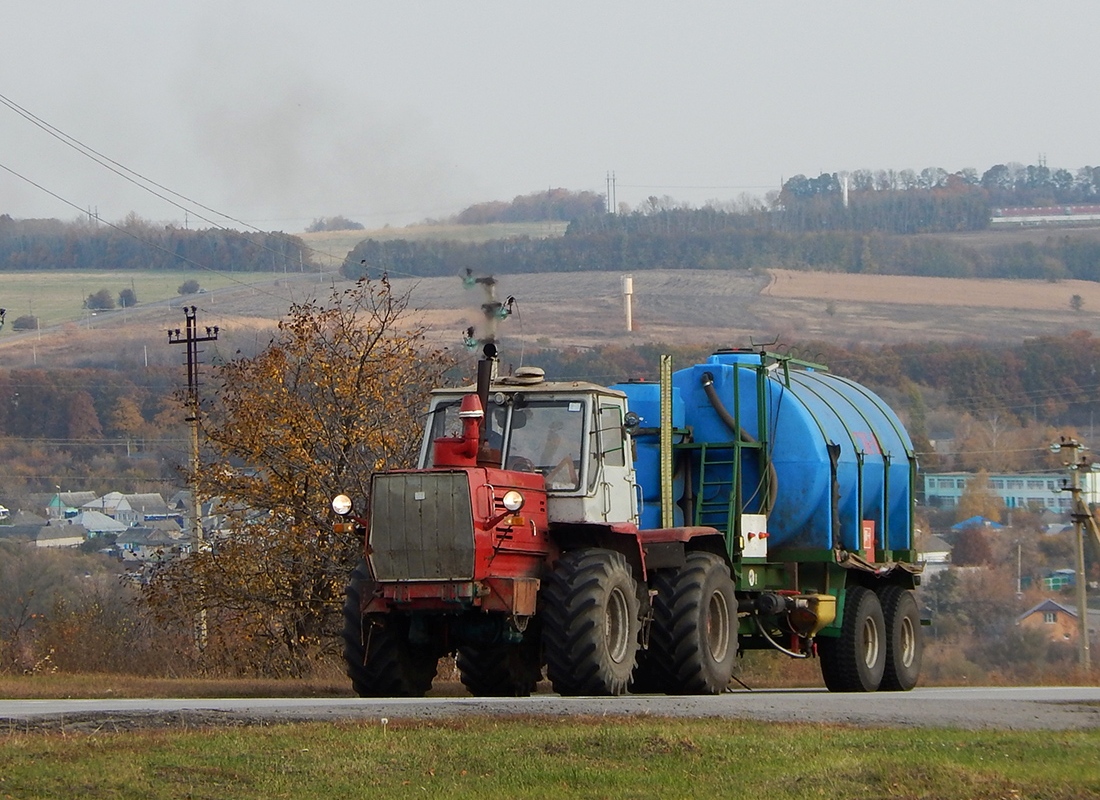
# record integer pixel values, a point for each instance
(583, 309)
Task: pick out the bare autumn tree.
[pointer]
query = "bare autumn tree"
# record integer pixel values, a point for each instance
(337, 395)
(995, 443)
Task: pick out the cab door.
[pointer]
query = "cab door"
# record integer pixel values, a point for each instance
(611, 467)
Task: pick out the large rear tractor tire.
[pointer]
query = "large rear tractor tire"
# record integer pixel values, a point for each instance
(501, 670)
(590, 613)
(855, 660)
(381, 661)
(904, 639)
(693, 638)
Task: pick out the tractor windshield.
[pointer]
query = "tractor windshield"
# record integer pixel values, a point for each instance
(544, 436)
(547, 437)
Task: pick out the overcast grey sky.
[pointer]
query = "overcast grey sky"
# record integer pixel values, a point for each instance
(279, 112)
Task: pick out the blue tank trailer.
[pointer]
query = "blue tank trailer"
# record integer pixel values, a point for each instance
(810, 478)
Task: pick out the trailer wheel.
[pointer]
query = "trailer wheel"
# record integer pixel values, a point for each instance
(381, 661)
(590, 620)
(904, 641)
(500, 670)
(693, 640)
(855, 660)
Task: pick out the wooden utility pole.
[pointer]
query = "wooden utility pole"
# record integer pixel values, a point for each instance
(1080, 516)
(191, 338)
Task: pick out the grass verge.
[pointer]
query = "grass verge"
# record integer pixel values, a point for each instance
(540, 757)
(93, 686)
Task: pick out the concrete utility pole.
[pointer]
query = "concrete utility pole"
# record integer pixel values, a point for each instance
(191, 338)
(1080, 516)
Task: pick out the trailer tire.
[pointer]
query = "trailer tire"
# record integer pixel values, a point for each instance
(693, 639)
(500, 670)
(381, 661)
(590, 612)
(904, 642)
(855, 660)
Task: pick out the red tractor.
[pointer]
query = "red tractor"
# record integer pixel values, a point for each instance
(516, 540)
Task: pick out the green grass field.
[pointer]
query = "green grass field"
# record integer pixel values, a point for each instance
(58, 297)
(550, 758)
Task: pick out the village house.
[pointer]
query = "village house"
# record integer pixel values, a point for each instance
(97, 524)
(1057, 622)
(64, 505)
(20, 518)
(60, 534)
(935, 552)
(141, 526)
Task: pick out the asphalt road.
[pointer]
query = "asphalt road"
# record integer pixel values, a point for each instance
(1016, 708)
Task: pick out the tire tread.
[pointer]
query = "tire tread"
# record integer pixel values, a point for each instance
(569, 609)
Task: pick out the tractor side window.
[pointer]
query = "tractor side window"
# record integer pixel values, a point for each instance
(442, 421)
(493, 446)
(445, 421)
(611, 436)
(593, 457)
(547, 437)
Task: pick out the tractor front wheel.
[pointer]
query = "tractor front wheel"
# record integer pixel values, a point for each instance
(381, 661)
(500, 670)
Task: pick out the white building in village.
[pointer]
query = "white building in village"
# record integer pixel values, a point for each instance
(1034, 491)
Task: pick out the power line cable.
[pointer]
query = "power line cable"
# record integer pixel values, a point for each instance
(110, 164)
(121, 169)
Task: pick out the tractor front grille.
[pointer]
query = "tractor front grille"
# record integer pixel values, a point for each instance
(421, 527)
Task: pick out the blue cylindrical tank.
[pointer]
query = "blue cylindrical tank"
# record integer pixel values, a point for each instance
(839, 456)
(644, 399)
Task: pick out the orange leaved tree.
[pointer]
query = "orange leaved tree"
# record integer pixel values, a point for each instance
(338, 394)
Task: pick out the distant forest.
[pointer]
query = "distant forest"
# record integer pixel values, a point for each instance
(135, 244)
(1052, 378)
(671, 240)
(806, 225)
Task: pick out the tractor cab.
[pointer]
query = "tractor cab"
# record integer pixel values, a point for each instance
(571, 433)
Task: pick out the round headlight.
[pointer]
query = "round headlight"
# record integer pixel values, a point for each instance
(513, 500)
(341, 504)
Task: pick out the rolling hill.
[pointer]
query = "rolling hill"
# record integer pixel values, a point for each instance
(579, 309)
